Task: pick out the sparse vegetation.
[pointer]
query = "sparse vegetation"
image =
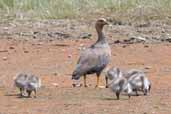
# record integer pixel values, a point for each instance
(45, 9)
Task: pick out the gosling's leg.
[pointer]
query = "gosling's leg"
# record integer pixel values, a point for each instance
(145, 91)
(21, 93)
(106, 78)
(29, 93)
(117, 95)
(98, 78)
(129, 96)
(136, 91)
(85, 83)
(35, 93)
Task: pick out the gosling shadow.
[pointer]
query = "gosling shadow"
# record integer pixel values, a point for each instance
(114, 98)
(16, 95)
(134, 95)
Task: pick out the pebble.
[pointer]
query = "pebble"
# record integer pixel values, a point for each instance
(101, 87)
(11, 47)
(55, 74)
(76, 85)
(148, 67)
(25, 51)
(40, 43)
(55, 84)
(146, 46)
(85, 35)
(4, 58)
(69, 56)
(81, 45)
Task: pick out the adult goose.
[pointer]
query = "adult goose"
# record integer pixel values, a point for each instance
(95, 58)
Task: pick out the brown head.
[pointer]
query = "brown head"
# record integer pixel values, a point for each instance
(100, 23)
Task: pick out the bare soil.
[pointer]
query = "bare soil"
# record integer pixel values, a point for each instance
(54, 60)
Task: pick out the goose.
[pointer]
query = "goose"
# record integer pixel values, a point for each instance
(94, 59)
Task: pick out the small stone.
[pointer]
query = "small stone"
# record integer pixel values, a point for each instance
(55, 74)
(11, 47)
(101, 87)
(148, 67)
(85, 35)
(124, 46)
(63, 50)
(69, 56)
(36, 32)
(81, 45)
(34, 37)
(117, 41)
(4, 58)
(40, 43)
(146, 46)
(5, 28)
(55, 84)
(79, 48)
(25, 51)
(76, 85)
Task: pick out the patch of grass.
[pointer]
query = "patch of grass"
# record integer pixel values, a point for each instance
(52, 9)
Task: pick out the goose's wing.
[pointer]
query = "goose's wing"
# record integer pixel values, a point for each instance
(91, 61)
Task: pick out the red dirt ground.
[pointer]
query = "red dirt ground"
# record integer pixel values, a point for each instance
(54, 62)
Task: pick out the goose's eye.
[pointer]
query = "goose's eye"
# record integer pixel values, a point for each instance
(101, 21)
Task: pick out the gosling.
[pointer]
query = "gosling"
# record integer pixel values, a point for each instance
(118, 82)
(140, 82)
(27, 83)
(120, 85)
(136, 78)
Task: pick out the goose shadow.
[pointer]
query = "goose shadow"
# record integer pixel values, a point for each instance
(14, 94)
(123, 96)
(17, 95)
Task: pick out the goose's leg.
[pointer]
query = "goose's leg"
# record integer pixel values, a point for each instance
(85, 83)
(35, 93)
(98, 78)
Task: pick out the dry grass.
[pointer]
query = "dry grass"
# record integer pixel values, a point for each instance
(52, 9)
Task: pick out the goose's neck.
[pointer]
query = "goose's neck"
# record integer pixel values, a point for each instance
(101, 36)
